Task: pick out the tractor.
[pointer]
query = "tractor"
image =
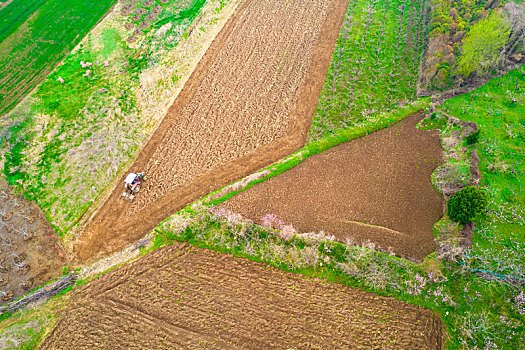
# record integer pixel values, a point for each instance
(132, 185)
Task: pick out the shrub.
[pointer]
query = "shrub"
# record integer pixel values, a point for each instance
(467, 204)
(473, 138)
(482, 47)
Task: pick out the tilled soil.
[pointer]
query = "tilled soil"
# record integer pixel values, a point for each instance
(30, 252)
(185, 297)
(248, 104)
(375, 188)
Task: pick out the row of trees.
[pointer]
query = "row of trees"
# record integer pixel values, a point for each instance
(471, 39)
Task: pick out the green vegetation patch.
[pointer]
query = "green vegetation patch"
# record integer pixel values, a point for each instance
(499, 110)
(374, 66)
(35, 35)
(469, 40)
(467, 204)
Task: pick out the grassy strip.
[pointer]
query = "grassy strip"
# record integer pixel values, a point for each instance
(381, 121)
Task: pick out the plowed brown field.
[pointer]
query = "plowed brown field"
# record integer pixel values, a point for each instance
(248, 104)
(375, 188)
(182, 297)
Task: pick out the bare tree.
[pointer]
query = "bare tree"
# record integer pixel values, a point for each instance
(15, 202)
(515, 14)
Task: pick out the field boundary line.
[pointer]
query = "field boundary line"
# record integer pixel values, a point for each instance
(41, 293)
(344, 135)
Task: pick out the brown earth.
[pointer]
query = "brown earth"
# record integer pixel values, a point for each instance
(182, 297)
(375, 188)
(248, 104)
(30, 252)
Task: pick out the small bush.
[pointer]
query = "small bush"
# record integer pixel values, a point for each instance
(467, 204)
(473, 138)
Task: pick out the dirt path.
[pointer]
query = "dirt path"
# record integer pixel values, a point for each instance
(375, 188)
(185, 297)
(248, 104)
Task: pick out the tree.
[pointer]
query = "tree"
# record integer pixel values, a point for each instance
(467, 204)
(483, 45)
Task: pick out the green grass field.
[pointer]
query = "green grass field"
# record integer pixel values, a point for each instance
(499, 110)
(35, 35)
(374, 66)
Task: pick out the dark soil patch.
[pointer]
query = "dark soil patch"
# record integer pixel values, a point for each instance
(348, 191)
(182, 297)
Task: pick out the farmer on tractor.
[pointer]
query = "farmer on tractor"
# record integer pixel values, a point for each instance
(132, 185)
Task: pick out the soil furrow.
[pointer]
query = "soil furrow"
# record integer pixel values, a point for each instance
(207, 298)
(211, 136)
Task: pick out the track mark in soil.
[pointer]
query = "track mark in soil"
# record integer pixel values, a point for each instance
(248, 104)
(382, 179)
(186, 297)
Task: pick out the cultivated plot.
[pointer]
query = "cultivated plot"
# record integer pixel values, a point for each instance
(30, 253)
(375, 188)
(186, 297)
(247, 104)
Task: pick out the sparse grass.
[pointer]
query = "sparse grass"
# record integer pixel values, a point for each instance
(26, 329)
